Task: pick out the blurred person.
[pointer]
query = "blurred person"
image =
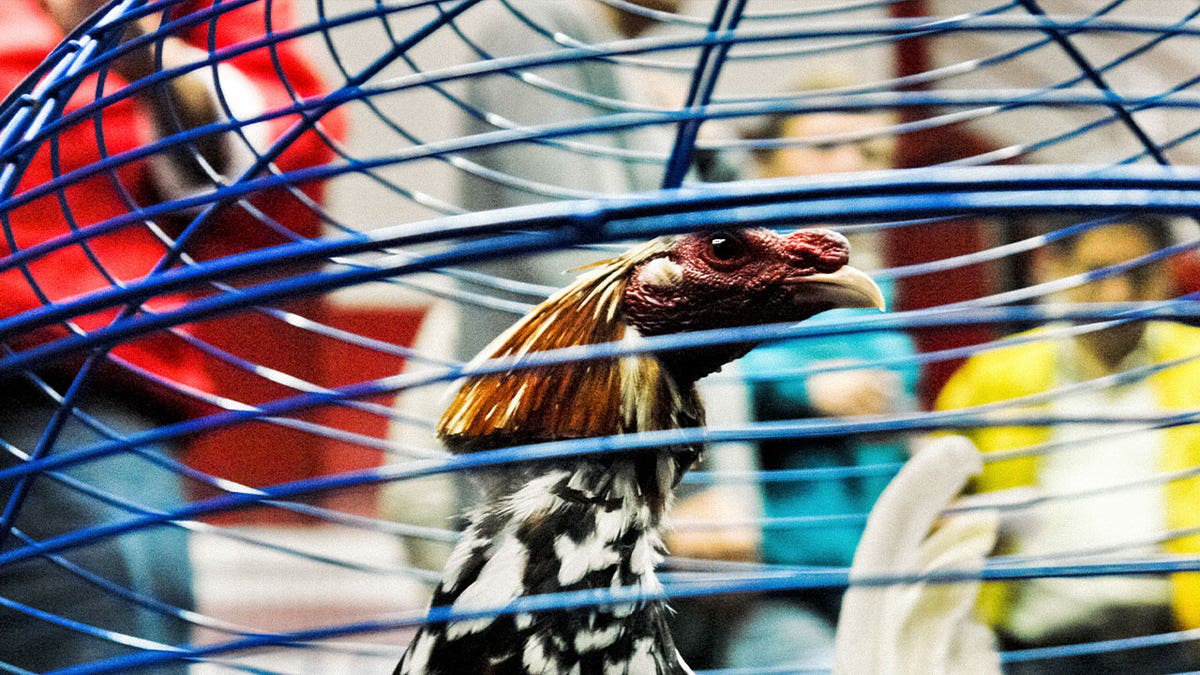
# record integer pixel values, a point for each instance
(797, 628)
(153, 563)
(1123, 509)
(568, 172)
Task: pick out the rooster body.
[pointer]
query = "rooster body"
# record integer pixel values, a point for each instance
(594, 522)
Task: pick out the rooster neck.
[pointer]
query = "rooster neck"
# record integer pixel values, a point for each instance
(578, 399)
(583, 525)
(690, 365)
(572, 524)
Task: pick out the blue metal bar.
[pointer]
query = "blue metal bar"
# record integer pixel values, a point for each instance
(705, 73)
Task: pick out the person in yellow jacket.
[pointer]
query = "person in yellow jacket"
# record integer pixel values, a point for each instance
(1111, 492)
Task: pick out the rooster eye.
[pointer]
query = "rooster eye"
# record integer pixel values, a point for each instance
(725, 247)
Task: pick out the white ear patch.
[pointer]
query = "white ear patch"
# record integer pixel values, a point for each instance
(661, 273)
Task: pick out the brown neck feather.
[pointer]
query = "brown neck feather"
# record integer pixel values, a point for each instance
(598, 397)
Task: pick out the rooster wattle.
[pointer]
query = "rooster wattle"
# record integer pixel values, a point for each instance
(593, 522)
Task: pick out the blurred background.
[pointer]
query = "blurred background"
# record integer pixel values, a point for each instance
(349, 225)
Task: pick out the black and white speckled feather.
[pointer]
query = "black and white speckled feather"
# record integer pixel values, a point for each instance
(584, 525)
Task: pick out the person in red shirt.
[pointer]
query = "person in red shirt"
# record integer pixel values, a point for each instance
(104, 586)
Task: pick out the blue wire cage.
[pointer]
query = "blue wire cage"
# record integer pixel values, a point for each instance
(298, 315)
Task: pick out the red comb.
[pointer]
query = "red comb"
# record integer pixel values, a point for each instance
(822, 250)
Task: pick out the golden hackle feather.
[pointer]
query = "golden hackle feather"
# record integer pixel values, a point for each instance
(580, 399)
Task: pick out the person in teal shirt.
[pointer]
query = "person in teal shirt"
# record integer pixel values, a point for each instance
(870, 390)
(818, 521)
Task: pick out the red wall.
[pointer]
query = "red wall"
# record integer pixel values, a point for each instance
(260, 454)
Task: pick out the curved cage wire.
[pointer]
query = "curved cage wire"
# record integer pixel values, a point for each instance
(227, 339)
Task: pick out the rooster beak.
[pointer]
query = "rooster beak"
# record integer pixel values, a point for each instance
(847, 287)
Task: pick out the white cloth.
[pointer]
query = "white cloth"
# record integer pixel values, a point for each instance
(1116, 523)
(245, 102)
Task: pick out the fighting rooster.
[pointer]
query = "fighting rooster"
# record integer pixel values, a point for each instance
(593, 522)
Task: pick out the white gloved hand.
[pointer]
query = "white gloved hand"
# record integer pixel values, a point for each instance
(920, 628)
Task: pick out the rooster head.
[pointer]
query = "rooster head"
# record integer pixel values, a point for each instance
(744, 277)
(727, 279)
